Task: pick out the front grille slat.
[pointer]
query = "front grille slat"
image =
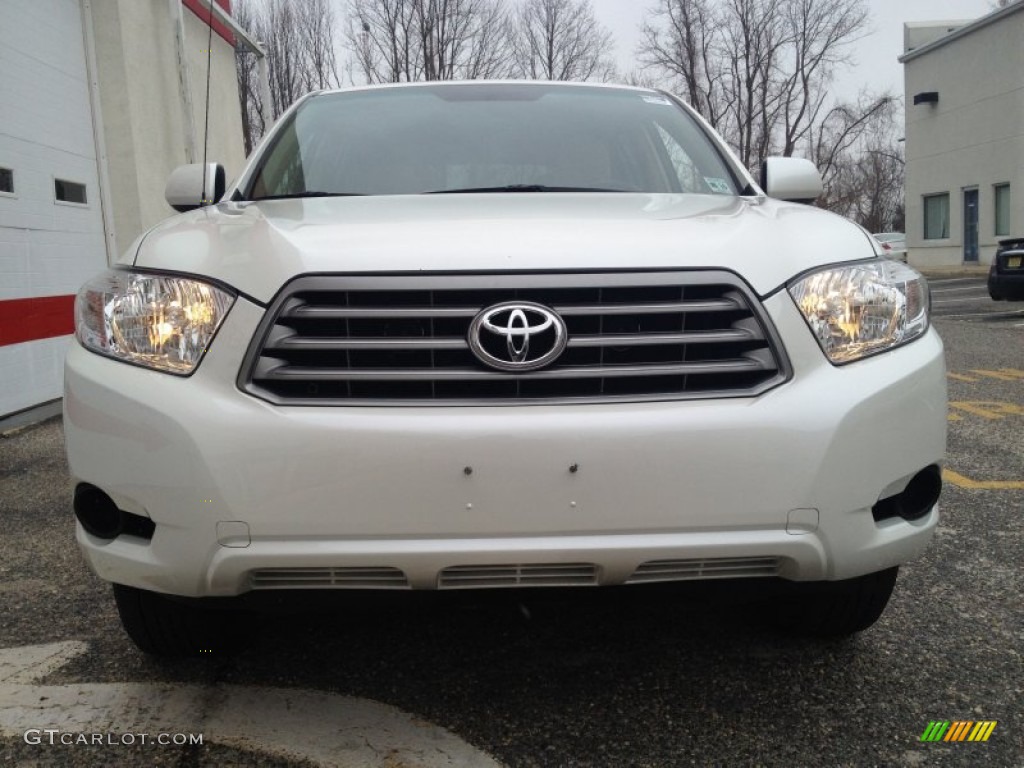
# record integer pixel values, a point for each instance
(721, 305)
(356, 313)
(652, 339)
(333, 344)
(470, 374)
(403, 340)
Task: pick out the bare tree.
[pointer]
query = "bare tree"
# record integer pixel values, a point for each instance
(299, 37)
(845, 129)
(382, 35)
(725, 57)
(249, 94)
(820, 32)
(753, 45)
(411, 40)
(862, 163)
(882, 202)
(679, 42)
(277, 28)
(758, 70)
(561, 40)
(639, 78)
(317, 25)
(464, 39)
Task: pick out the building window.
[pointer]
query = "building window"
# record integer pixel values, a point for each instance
(936, 217)
(1002, 209)
(7, 181)
(69, 191)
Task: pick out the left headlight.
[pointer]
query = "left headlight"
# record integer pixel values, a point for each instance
(158, 321)
(861, 309)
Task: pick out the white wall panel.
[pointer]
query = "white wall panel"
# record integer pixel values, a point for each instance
(47, 248)
(31, 373)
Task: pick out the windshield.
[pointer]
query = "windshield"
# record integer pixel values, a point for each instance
(490, 138)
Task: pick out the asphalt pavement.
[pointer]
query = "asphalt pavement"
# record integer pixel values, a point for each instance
(965, 296)
(675, 677)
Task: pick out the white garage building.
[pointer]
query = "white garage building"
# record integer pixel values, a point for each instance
(964, 136)
(99, 101)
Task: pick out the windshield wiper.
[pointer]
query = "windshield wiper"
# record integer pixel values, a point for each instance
(519, 188)
(295, 195)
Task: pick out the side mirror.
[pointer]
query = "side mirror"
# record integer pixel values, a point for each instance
(791, 178)
(185, 187)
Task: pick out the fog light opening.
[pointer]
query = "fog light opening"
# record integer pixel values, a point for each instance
(916, 500)
(97, 512)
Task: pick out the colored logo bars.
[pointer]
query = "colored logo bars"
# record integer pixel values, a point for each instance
(958, 730)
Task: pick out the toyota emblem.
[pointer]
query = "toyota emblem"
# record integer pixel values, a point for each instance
(517, 336)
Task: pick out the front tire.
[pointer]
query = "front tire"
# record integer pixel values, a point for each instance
(834, 608)
(162, 626)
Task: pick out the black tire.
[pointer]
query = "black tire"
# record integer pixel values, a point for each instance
(833, 608)
(162, 626)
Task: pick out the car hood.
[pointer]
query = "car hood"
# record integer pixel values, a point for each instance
(256, 247)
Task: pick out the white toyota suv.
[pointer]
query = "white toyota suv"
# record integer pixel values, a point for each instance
(477, 335)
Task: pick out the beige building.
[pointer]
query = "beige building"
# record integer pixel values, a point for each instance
(964, 136)
(152, 102)
(99, 101)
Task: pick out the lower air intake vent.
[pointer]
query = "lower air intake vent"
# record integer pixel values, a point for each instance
(557, 575)
(714, 568)
(329, 578)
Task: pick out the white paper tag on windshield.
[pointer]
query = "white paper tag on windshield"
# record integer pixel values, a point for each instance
(718, 186)
(657, 100)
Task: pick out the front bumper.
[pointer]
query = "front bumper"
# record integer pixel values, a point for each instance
(248, 495)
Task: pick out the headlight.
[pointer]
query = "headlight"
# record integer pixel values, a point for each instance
(861, 309)
(158, 321)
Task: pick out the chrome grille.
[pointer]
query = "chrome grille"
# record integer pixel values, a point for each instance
(533, 575)
(403, 339)
(713, 568)
(328, 578)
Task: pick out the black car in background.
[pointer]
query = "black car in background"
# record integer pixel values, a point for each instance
(1006, 276)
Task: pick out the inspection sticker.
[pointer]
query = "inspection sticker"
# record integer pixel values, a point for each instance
(718, 186)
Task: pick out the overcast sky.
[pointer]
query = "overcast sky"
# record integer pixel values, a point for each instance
(877, 68)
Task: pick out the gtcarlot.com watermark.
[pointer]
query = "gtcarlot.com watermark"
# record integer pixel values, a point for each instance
(53, 737)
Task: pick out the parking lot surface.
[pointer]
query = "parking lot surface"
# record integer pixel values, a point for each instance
(673, 677)
(965, 297)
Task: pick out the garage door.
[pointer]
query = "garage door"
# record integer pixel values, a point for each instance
(51, 226)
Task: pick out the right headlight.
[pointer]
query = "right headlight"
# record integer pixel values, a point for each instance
(164, 322)
(861, 309)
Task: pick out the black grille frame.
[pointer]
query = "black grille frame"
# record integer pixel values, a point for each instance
(761, 363)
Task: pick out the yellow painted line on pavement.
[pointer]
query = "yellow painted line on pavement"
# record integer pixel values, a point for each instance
(955, 478)
(1000, 374)
(988, 409)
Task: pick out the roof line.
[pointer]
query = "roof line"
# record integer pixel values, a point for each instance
(494, 81)
(225, 18)
(984, 21)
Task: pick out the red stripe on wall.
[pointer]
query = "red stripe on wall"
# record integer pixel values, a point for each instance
(197, 8)
(39, 318)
